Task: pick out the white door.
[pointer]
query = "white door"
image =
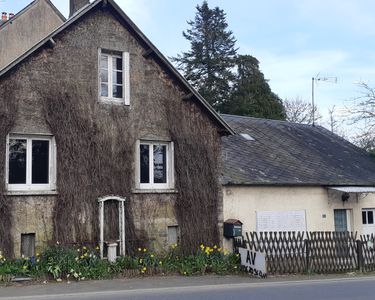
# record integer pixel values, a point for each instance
(368, 221)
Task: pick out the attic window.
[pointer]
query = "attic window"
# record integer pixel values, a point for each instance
(114, 77)
(247, 137)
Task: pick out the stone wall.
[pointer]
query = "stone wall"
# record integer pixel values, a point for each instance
(73, 62)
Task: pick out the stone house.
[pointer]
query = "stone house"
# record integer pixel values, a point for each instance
(18, 33)
(91, 110)
(282, 176)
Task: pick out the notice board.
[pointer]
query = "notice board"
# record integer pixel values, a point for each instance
(291, 220)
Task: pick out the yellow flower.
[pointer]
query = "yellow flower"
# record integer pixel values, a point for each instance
(139, 249)
(219, 249)
(152, 255)
(24, 267)
(82, 257)
(140, 260)
(144, 249)
(215, 247)
(38, 260)
(37, 254)
(202, 246)
(97, 248)
(86, 254)
(142, 271)
(237, 255)
(160, 262)
(78, 250)
(84, 248)
(185, 273)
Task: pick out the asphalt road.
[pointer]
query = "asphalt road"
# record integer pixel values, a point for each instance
(332, 289)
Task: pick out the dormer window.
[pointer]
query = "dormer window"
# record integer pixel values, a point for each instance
(114, 77)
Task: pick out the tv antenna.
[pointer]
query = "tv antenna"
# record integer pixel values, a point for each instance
(315, 80)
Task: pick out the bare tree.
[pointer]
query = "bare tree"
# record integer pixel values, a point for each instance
(362, 113)
(336, 121)
(332, 120)
(300, 111)
(363, 108)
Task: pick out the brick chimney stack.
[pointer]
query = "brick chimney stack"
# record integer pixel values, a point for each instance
(77, 5)
(4, 16)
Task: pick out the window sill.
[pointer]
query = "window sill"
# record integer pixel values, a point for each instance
(154, 191)
(113, 101)
(31, 193)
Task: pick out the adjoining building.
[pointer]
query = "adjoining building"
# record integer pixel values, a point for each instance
(282, 176)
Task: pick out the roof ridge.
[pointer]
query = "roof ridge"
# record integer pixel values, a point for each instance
(165, 63)
(272, 120)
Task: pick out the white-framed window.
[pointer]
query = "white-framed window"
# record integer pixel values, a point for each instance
(368, 216)
(155, 166)
(114, 77)
(30, 163)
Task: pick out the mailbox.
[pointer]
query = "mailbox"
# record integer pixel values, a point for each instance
(232, 228)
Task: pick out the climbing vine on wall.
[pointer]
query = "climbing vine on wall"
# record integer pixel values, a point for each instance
(8, 112)
(197, 152)
(94, 158)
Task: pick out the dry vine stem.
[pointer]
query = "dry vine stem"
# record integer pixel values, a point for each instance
(8, 112)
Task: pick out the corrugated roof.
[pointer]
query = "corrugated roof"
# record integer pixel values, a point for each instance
(284, 153)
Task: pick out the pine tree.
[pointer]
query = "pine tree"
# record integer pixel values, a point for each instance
(252, 96)
(208, 65)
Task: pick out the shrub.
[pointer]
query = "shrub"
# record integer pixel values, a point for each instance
(82, 263)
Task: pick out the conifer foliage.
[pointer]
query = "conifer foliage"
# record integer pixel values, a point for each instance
(230, 82)
(209, 63)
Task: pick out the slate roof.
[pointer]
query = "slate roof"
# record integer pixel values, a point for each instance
(284, 153)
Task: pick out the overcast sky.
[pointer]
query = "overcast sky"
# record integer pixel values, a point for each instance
(294, 40)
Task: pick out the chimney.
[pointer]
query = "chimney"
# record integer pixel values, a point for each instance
(4, 16)
(76, 5)
(11, 15)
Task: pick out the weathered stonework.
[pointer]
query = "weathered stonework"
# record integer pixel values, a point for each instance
(154, 98)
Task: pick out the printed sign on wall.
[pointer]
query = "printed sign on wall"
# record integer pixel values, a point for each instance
(291, 220)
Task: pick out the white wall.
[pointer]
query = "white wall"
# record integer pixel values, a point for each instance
(242, 203)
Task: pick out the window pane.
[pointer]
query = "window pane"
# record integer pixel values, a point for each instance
(17, 161)
(117, 63)
(160, 164)
(104, 90)
(103, 76)
(40, 162)
(104, 61)
(117, 77)
(370, 217)
(145, 163)
(364, 217)
(117, 91)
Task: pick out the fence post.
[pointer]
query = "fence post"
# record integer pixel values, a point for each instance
(307, 255)
(359, 255)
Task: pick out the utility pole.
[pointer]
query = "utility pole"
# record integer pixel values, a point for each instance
(315, 80)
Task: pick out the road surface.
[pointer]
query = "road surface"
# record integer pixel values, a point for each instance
(328, 288)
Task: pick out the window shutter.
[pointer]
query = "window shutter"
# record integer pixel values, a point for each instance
(53, 164)
(171, 166)
(126, 79)
(7, 162)
(99, 83)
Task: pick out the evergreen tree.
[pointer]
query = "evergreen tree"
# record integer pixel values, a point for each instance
(252, 96)
(209, 63)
